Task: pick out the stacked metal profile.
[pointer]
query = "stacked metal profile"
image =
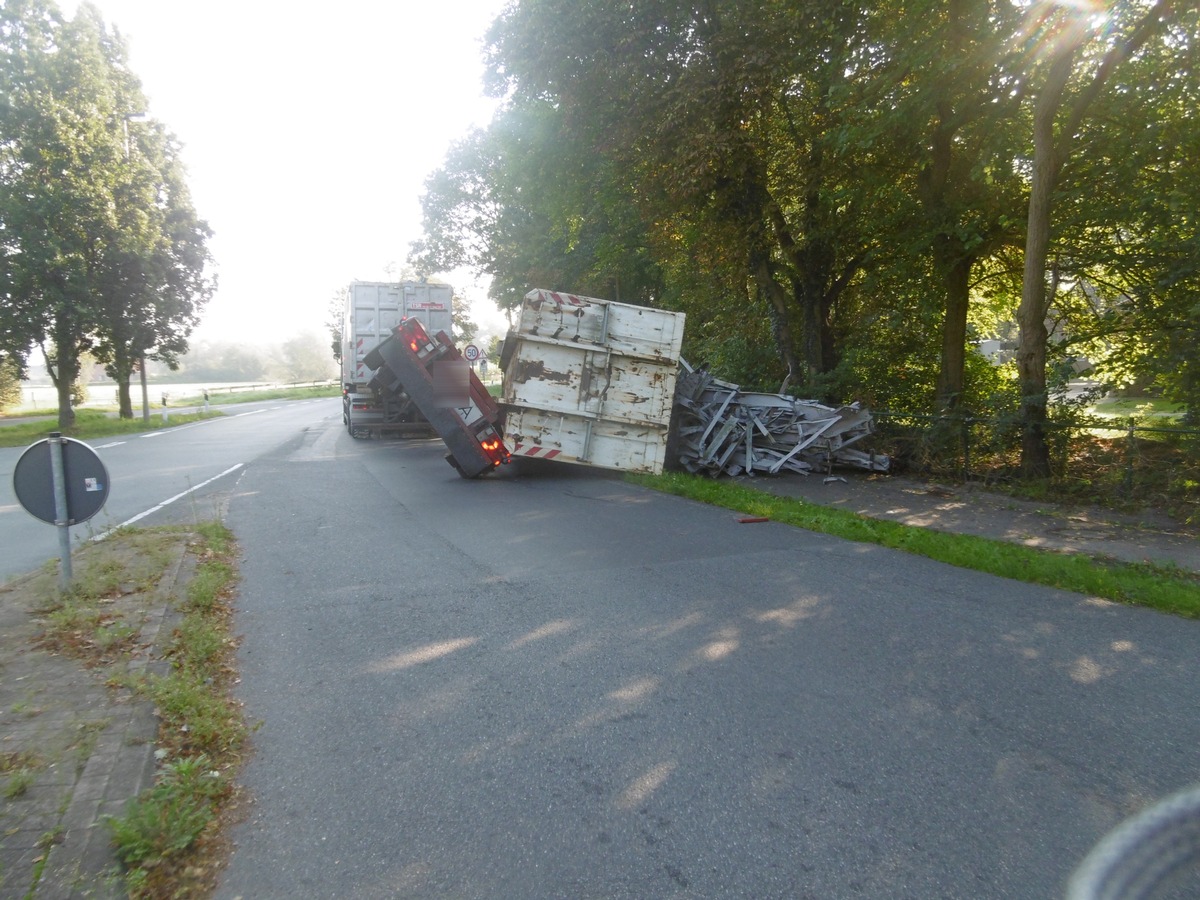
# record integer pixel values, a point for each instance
(723, 430)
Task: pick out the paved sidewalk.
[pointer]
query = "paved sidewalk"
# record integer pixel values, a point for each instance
(1148, 536)
(78, 749)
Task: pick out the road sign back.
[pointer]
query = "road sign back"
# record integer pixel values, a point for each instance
(86, 481)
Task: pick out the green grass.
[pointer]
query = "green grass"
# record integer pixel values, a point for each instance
(19, 781)
(1137, 407)
(168, 818)
(93, 423)
(1167, 589)
(96, 423)
(311, 392)
(202, 732)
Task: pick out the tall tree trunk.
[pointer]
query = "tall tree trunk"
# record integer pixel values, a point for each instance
(1031, 314)
(66, 409)
(785, 338)
(64, 371)
(956, 281)
(1048, 159)
(124, 400)
(121, 369)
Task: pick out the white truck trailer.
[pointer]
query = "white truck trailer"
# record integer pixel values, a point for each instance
(591, 381)
(372, 311)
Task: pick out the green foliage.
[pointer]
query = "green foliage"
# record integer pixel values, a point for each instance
(169, 817)
(10, 383)
(840, 190)
(100, 248)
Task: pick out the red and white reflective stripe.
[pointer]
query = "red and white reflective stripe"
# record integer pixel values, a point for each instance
(534, 450)
(567, 299)
(559, 299)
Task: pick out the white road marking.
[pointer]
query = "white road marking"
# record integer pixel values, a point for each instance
(106, 446)
(167, 502)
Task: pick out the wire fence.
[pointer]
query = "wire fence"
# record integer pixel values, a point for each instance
(1132, 457)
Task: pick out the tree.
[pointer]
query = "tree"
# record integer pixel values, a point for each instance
(303, 357)
(10, 383)
(54, 191)
(946, 112)
(101, 249)
(1075, 56)
(725, 120)
(335, 314)
(153, 283)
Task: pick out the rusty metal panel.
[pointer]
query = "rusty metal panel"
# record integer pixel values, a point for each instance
(621, 327)
(591, 381)
(562, 437)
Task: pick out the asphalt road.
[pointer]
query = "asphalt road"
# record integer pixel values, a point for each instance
(549, 683)
(157, 476)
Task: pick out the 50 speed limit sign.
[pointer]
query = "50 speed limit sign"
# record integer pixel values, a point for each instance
(471, 352)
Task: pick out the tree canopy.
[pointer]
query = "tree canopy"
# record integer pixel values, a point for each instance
(850, 195)
(100, 248)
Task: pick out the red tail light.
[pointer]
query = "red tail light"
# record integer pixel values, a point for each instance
(494, 448)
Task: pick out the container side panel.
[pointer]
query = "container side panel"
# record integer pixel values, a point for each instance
(538, 434)
(590, 380)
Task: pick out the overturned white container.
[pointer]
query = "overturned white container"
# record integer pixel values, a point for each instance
(591, 381)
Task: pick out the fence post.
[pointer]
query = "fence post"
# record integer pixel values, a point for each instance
(966, 446)
(1129, 452)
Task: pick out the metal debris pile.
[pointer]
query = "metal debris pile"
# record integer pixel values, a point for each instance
(723, 430)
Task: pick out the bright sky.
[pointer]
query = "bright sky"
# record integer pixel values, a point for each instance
(308, 132)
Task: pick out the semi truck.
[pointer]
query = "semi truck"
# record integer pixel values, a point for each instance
(586, 381)
(433, 374)
(371, 312)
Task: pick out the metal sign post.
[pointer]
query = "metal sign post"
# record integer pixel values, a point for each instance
(58, 476)
(62, 482)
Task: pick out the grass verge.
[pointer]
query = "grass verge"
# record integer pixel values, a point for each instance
(1168, 589)
(310, 392)
(169, 839)
(94, 423)
(169, 836)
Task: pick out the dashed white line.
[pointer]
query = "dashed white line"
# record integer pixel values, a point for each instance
(106, 446)
(167, 502)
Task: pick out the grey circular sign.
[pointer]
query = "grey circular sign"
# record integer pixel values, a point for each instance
(86, 481)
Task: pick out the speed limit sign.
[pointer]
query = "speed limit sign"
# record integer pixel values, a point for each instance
(471, 352)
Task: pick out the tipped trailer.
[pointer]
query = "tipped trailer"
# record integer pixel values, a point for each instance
(435, 377)
(586, 381)
(591, 382)
(372, 310)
